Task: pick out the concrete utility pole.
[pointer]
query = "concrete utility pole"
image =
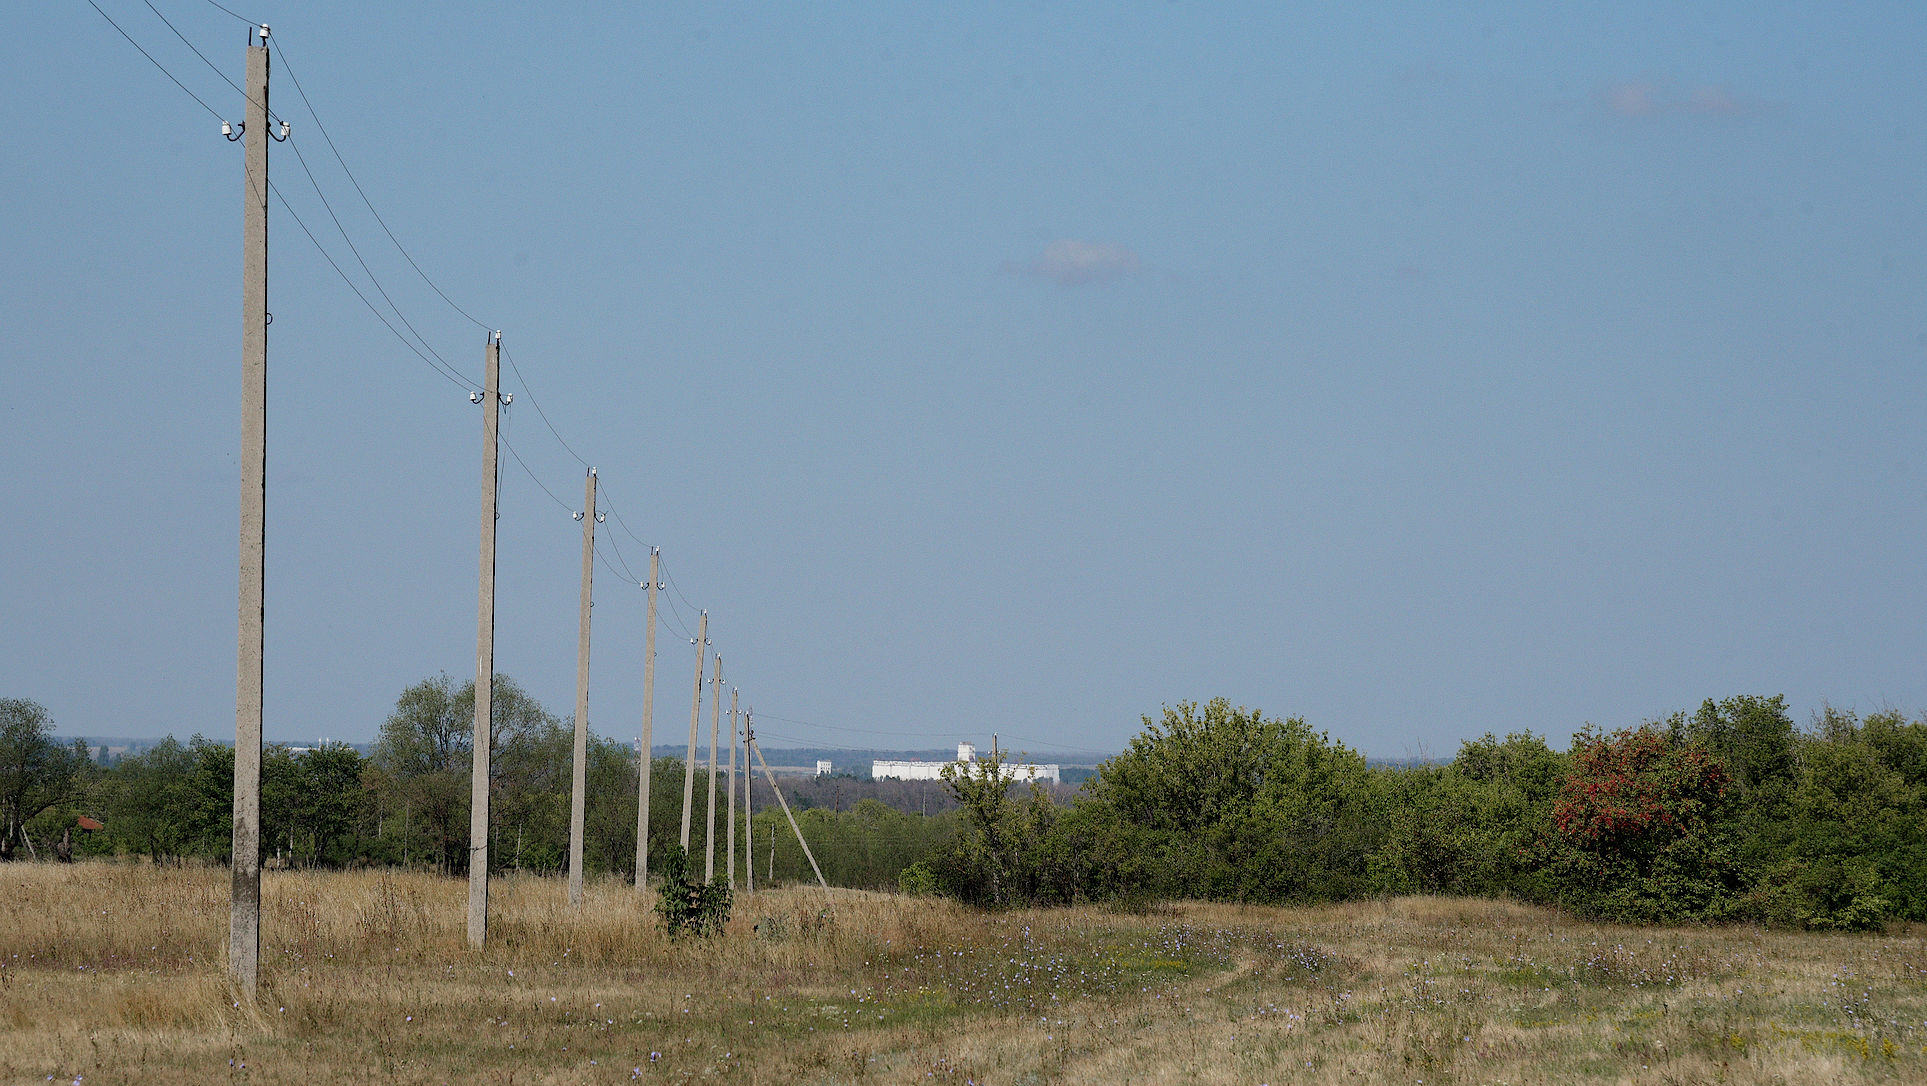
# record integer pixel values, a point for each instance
(749, 848)
(695, 719)
(715, 725)
(484, 652)
(648, 720)
(730, 807)
(244, 907)
(579, 779)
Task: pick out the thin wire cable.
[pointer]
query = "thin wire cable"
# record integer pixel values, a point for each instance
(613, 566)
(613, 543)
(372, 278)
(210, 64)
(150, 59)
(678, 619)
(610, 566)
(538, 482)
(451, 378)
(673, 609)
(530, 393)
(625, 527)
(243, 18)
(671, 578)
(323, 129)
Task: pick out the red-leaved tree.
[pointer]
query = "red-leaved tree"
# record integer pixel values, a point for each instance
(1637, 826)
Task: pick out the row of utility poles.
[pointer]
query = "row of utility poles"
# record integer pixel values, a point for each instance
(244, 914)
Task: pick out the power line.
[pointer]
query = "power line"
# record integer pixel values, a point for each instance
(671, 581)
(538, 482)
(671, 578)
(625, 527)
(451, 378)
(613, 566)
(603, 498)
(156, 63)
(680, 624)
(243, 18)
(372, 278)
(530, 393)
(323, 129)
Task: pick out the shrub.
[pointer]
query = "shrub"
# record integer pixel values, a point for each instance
(686, 905)
(918, 879)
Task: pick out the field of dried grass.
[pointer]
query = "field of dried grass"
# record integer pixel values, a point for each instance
(113, 973)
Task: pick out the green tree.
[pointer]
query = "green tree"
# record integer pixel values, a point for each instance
(35, 771)
(423, 753)
(1235, 805)
(331, 800)
(529, 780)
(419, 777)
(1854, 829)
(1470, 827)
(310, 802)
(1005, 853)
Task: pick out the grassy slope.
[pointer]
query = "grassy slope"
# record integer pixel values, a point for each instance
(114, 973)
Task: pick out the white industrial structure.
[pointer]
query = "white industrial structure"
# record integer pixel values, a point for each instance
(918, 770)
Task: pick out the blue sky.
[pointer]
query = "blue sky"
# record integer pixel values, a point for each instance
(1023, 369)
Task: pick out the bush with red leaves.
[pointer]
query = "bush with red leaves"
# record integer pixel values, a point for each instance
(1637, 828)
(1634, 784)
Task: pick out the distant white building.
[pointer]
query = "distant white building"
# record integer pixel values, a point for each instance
(823, 768)
(918, 770)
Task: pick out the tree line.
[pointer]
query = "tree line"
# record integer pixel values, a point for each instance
(1726, 812)
(406, 803)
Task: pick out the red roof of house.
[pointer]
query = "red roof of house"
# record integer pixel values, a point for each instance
(86, 823)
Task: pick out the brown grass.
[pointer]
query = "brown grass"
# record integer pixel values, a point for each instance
(114, 973)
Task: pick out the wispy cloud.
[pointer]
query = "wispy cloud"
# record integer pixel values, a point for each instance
(1071, 262)
(1642, 99)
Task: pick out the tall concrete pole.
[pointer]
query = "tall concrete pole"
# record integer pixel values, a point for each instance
(749, 849)
(244, 907)
(484, 652)
(695, 719)
(648, 720)
(730, 807)
(579, 778)
(715, 725)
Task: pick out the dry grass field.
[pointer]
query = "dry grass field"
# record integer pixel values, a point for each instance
(113, 973)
